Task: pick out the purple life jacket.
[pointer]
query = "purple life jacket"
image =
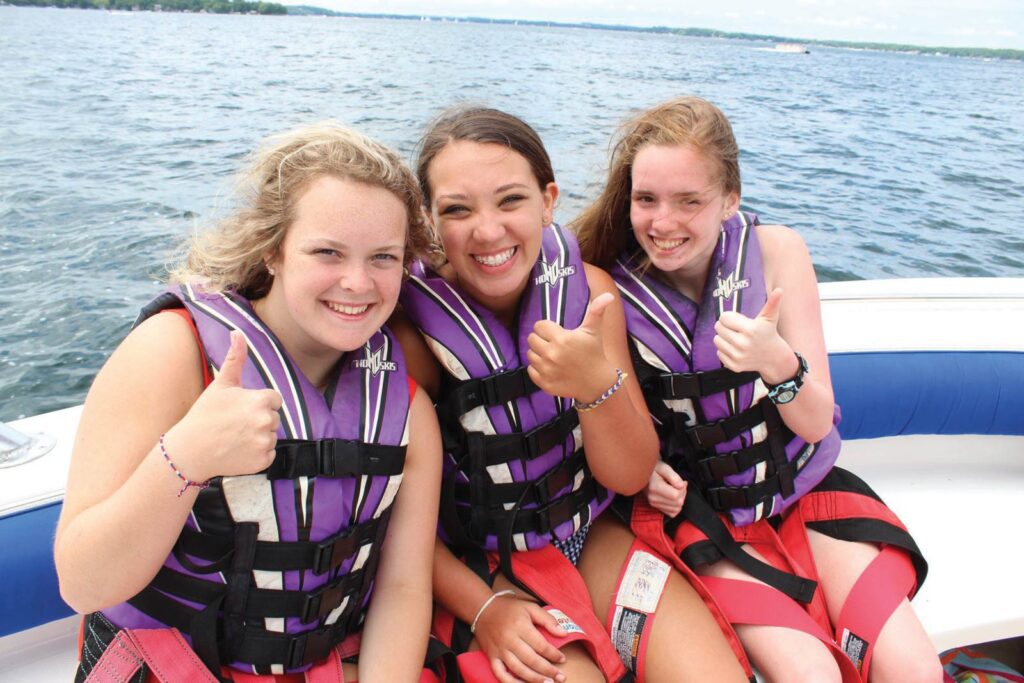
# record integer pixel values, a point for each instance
(516, 475)
(717, 427)
(274, 569)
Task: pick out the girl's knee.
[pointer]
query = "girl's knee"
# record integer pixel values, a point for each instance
(802, 670)
(920, 669)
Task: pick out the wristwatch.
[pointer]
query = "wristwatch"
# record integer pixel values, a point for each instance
(784, 392)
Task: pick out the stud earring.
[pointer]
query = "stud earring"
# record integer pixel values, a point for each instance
(271, 271)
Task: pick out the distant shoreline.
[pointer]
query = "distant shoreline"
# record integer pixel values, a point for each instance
(243, 7)
(980, 52)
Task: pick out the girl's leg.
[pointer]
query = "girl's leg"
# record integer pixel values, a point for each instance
(778, 653)
(685, 643)
(903, 651)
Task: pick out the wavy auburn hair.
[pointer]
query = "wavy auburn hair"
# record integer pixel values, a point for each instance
(604, 228)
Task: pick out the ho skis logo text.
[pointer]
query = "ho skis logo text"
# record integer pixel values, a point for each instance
(727, 287)
(552, 273)
(374, 363)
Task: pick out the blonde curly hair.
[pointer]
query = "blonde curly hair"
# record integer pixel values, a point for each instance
(232, 254)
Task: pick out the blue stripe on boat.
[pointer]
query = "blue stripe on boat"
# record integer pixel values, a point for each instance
(29, 596)
(929, 392)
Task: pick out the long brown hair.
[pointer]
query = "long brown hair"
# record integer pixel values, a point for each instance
(604, 227)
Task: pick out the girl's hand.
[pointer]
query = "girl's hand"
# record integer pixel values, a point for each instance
(229, 430)
(509, 634)
(666, 491)
(746, 344)
(572, 363)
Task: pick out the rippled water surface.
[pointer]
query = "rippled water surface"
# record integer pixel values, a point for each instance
(120, 132)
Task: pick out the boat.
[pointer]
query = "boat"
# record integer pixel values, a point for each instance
(794, 48)
(928, 374)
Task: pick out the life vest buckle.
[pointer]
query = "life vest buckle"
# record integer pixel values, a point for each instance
(724, 498)
(311, 646)
(555, 514)
(554, 480)
(677, 385)
(709, 435)
(506, 386)
(332, 551)
(324, 600)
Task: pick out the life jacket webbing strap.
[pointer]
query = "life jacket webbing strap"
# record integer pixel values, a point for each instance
(558, 583)
(697, 511)
(746, 602)
(874, 597)
(164, 651)
(334, 458)
(631, 613)
(316, 556)
(679, 385)
(486, 391)
(649, 525)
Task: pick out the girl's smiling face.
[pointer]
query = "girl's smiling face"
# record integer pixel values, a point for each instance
(677, 206)
(489, 211)
(338, 271)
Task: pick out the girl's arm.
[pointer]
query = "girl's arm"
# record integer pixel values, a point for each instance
(398, 624)
(121, 513)
(790, 322)
(620, 441)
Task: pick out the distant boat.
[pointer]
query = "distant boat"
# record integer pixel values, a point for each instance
(795, 48)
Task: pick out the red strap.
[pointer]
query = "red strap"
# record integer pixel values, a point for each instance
(648, 623)
(649, 525)
(874, 597)
(164, 651)
(558, 583)
(746, 602)
(327, 671)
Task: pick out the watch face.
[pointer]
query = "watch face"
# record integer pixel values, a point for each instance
(786, 395)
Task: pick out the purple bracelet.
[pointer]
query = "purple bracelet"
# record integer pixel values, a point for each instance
(584, 407)
(188, 482)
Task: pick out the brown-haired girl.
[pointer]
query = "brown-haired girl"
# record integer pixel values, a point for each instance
(723, 315)
(526, 356)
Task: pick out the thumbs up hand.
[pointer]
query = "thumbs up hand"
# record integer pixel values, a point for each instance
(229, 430)
(751, 343)
(572, 363)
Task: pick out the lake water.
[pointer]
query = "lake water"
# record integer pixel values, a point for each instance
(119, 132)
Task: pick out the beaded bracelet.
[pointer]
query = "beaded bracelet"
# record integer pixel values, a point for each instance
(188, 482)
(487, 603)
(584, 407)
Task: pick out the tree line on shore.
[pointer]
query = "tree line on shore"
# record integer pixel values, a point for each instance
(209, 6)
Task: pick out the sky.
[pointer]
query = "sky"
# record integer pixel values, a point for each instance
(946, 23)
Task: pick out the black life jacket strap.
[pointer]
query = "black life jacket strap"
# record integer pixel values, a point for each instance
(308, 606)
(697, 511)
(481, 490)
(701, 437)
(497, 449)
(318, 557)
(334, 458)
(493, 390)
(693, 385)
(543, 520)
(253, 645)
